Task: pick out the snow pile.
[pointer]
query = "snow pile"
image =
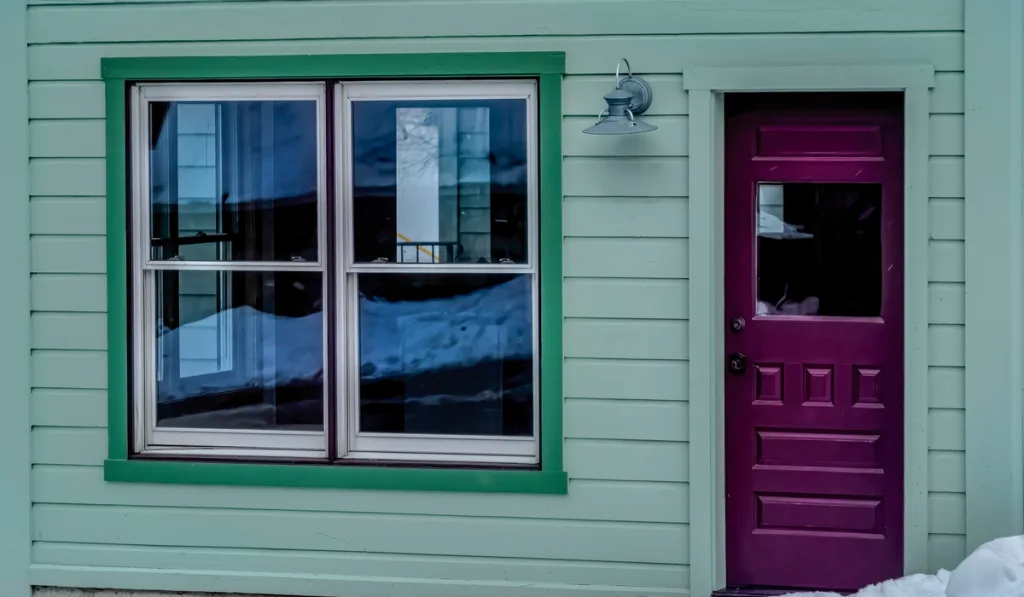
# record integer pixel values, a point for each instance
(916, 585)
(996, 569)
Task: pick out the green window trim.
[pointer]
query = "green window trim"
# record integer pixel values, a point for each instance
(547, 67)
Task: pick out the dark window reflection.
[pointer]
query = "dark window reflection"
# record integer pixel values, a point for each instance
(234, 181)
(819, 249)
(239, 350)
(440, 182)
(446, 354)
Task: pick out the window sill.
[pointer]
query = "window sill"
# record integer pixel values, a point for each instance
(339, 477)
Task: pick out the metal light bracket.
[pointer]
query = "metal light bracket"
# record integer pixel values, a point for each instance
(635, 86)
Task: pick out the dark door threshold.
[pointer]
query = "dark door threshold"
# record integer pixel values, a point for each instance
(752, 591)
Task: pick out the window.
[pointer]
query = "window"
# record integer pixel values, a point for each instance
(343, 271)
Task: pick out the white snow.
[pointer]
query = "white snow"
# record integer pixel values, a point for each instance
(996, 569)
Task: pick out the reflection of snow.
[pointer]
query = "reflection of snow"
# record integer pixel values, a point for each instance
(490, 324)
(770, 226)
(396, 339)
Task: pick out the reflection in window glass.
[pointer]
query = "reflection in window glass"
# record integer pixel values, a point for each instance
(819, 249)
(446, 354)
(233, 180)
(251, 361)
(440, 182)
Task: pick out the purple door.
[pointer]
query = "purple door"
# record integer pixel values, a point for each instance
(814, 340)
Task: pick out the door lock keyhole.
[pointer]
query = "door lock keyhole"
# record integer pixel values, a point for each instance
(737, 363)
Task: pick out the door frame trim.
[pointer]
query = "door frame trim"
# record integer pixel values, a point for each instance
(706, 87)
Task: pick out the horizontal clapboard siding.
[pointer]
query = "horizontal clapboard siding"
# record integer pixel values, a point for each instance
(623, 526)
(946, 296)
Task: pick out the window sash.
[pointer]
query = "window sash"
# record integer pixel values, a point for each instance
(351, 442)
(348, 93)
(340, 299)
(143, 95)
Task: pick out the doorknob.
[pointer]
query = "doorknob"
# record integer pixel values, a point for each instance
(737, 363)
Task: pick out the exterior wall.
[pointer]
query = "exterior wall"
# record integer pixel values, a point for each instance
(624, 522)
(15, 499)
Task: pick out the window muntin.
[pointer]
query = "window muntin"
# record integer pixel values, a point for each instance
(232, 336)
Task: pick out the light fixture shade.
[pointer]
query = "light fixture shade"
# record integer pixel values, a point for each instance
(631, 96)
(619, 126)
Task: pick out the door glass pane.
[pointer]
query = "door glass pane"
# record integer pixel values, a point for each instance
(446, 354)
(819, 249)
(233, 180)
(252, 359)
(440, 181)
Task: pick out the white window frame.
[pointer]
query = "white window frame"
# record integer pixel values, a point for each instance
(350, 444)
(148, 437)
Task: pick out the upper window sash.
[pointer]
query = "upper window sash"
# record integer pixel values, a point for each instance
(243, 97)
(433, 92)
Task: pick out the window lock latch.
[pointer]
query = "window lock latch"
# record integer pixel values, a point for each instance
(298, 258)
(505, 260)
(174, 258)
(380, 260)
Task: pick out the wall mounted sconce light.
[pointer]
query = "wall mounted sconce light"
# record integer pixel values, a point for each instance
(630, 98)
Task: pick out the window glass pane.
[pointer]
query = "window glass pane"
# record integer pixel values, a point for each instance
(446, 354)
(233, 180)
(819, 249)
(440, 181)
(239, 350)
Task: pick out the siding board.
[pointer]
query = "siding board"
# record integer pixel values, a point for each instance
(625, 339)
(69, 254)
(625, 298)
(69, 292)
(584, 55)
(626, 258)
(68, 215)
(67, 177)
(649, 217)
(946, 551)
(69, 408)
(67, 139)
(946, 261)
(334, 20)
(430, 535)
(946, 219)
(946, 387)
(515, 570)
(623, 501)
(69, 331)
(626, 419)
(625, 379)
(947, 97)
(946, 429)
(946, 472)
(946, 345)
(80, 369)
(627, 460)
(946, 303)
(626, 177)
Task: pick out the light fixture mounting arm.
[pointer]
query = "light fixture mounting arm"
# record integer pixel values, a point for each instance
(635, 86)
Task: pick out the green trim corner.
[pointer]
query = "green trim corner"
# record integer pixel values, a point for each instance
(547, 67)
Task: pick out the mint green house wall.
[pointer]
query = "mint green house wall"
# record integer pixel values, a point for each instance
(623, 529)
